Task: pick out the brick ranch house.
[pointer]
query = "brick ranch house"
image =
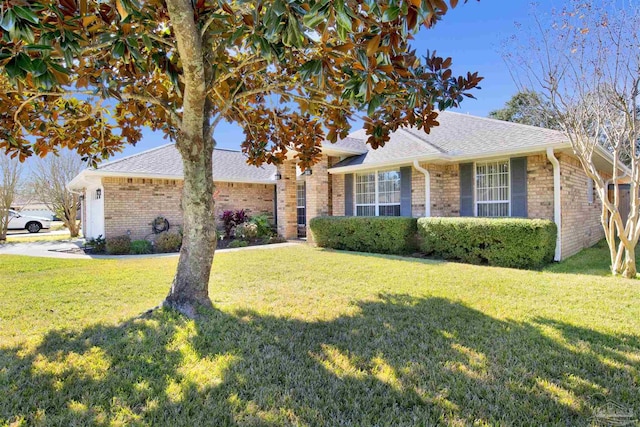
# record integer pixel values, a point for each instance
(467, 166)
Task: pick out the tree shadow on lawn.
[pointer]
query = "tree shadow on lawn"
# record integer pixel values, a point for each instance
(399, 361)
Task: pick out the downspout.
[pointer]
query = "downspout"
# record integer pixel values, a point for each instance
(427, 187)
(557, 208)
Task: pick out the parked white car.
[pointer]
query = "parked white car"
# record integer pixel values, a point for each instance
(32, 224)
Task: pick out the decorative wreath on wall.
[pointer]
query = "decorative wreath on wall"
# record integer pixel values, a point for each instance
(160, 224)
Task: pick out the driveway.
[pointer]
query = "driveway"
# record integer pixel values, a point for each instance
(22, 233)
(66, 250)
(44, 249)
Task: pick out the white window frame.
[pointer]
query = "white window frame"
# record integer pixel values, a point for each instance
(475, 187)
(377, 203)
(302, 184)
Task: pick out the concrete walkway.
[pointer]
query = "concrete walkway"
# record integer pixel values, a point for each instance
(56, 250)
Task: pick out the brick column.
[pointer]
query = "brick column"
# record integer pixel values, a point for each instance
(318, 189)
(286, 189)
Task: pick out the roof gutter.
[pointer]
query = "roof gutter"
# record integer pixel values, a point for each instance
(557, 207)
(427, 187)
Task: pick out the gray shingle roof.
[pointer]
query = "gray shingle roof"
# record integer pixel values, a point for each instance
(352, 143)
(458, 135)
(228, 165)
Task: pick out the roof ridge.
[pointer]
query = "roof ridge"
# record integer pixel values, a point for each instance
(227, 149)
(153, 150)
(500, 121)
(135, 155)
(431, 144)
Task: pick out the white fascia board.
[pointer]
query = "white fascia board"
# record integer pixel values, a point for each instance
(512, 152)
(609, 157)
(82, 180)
(338, 151)
(99, 173)
(381, 165)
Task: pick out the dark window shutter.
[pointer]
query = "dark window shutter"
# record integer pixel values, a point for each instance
(348, 194)
(519, 187)
(466, 189)
(405, 191)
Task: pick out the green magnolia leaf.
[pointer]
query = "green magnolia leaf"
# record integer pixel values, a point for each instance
(343, 19)
(13, 70)
(147, 42)
(24, 62)
(118, 49)
(375, 102)
(310, 69)
(8, 21)
(26, 14)
(39, 67)
(391, 14)
(38, 48)
(293, 35)
(312, 20)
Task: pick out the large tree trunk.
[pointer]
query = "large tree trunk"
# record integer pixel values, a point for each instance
(190, 288)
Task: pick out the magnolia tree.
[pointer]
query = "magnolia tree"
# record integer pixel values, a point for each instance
(10, 179)
(88, 75)
(49, 182)
(585, 62)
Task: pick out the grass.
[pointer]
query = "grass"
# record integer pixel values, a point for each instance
(302, 336)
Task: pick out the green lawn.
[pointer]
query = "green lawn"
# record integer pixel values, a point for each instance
(302, 336)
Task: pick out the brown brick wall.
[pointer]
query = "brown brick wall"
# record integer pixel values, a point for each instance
(417, 192)
(130, 204)
(318, 189)
(539, 187)
(445, 189)
(337, 196)
(287, 202)
(581, 227)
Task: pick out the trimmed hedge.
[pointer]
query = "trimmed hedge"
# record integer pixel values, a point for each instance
(168, 242)
(504, 242)
(385, 235)
(119, 245)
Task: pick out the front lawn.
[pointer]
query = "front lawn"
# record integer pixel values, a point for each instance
(302, 336)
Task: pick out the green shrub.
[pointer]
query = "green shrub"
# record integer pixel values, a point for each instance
(120, 245)
(386, 235)
(168, 242)
(265, 229)
(97, 245)
(504, 242)
(247, 231)
(238, 244)
(141, 247)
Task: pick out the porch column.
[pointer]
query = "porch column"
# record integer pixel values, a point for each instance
(286, 197)
(318, 189)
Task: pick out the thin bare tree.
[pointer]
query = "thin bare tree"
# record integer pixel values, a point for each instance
(10, 174)
(50, 180)
(584, 60)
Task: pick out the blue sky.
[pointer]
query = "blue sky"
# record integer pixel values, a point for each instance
(471, 34)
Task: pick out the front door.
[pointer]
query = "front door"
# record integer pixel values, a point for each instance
(301, 197)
